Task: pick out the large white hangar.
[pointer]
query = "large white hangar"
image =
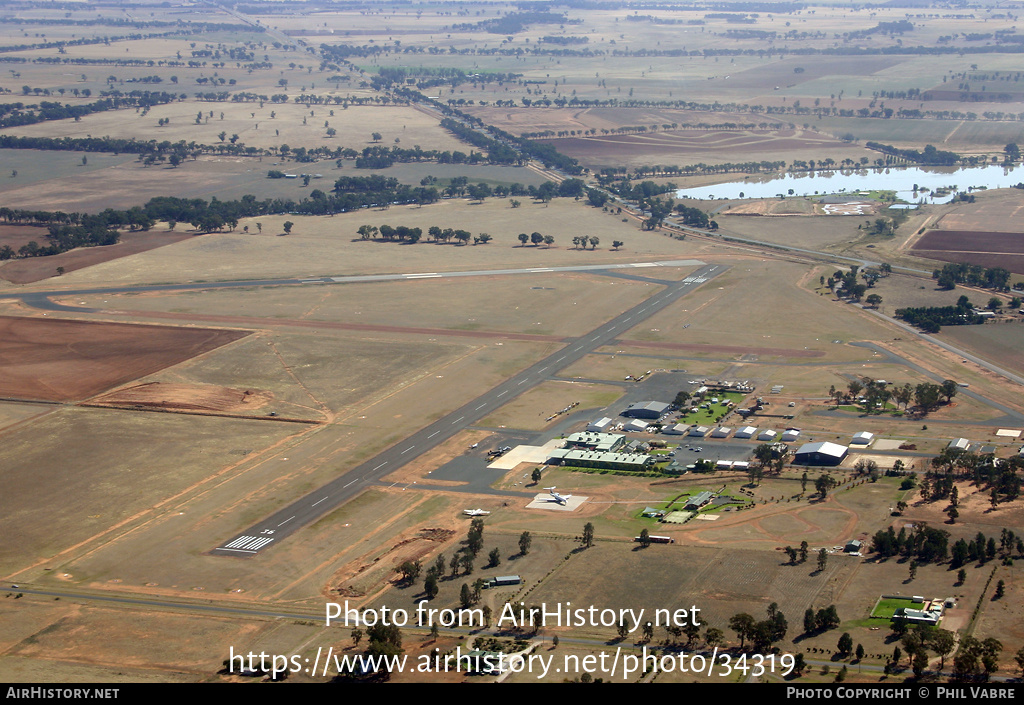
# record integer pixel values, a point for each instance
(823, 453)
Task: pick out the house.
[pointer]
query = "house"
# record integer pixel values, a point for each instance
(823, 453)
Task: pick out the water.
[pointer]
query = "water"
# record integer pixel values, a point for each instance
(898, 179)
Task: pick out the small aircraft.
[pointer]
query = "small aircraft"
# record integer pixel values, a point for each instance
(474, 445)
(555, 497)
(475, 512)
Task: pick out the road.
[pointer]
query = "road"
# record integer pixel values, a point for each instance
(272, 530)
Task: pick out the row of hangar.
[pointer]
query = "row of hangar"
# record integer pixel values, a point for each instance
(790, 435)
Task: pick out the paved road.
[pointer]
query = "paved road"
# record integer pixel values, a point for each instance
(283, 523)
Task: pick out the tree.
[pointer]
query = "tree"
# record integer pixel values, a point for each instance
(535, 475)
(616, 244)
(588, 535)
(873, 300)
(466, 596)
(524, 542)
(1000, 590)
(430, 587)
(536, 238)
(287, 226)
(743, 625)
(824, 483)
(494, 558)
(357, 636)
(523, 238)
(376, 136)
(410, 570)
(645, 538)
(942, 642)
(859, 653)
(594, 241)
(822, 559)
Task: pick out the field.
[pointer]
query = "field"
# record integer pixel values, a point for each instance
(986, 249)
(146, 428)
(687, 147)
(54, 360)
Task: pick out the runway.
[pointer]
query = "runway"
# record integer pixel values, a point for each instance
(275, 528)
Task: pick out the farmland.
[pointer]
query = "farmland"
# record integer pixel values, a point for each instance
(164, 397)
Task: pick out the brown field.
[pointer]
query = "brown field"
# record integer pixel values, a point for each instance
(987, 249)
(972, 242)
(708, 147)
(63, 360)
(33, 269)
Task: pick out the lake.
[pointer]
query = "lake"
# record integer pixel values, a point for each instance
(898, 179)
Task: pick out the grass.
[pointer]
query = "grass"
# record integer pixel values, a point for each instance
(887, 607)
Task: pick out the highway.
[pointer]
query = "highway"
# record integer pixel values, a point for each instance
(272, 530)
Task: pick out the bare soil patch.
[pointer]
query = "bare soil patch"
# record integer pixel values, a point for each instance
(186, 397)
(33, 269)
(789, 206)
(62, 360)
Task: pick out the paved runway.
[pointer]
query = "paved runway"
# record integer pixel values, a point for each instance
(272, 530)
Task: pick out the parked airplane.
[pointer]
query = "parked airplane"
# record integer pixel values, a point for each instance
(475, 512)
(557, 497)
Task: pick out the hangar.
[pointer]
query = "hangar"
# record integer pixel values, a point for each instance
(646, 410)
(823, 453)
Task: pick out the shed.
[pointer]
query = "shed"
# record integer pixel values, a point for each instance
(790, 435)
(862, 438)
(961, 443)
(767, 435)
(636, 425)
(679, 429)
(699, 431)
(721, 432)
(746, 432)
(600, 425)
